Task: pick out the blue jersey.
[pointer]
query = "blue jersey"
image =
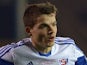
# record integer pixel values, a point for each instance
(64, 52)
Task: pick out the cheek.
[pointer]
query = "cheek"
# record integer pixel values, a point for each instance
(41, 37)
(55, 29)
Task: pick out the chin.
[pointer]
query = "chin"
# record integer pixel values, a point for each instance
(50, 44)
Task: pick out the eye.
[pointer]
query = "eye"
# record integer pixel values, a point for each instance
(43, 26)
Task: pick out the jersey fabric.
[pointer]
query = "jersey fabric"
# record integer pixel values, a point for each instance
(64, 52)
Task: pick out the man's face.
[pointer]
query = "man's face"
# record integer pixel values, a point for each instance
(44, 31)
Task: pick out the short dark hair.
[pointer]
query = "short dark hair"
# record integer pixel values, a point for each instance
(35, 10)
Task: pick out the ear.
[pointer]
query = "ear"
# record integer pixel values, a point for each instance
(27, 29)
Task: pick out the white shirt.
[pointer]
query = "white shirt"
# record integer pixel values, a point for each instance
(64, 52)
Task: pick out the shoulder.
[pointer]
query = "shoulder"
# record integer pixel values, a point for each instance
(6, 51)
(7, 48)
(78, 53)
(64, 40)
(71, 44)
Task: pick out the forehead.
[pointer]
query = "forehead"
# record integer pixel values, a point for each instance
(50, 18)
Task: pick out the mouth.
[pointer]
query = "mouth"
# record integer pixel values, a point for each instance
(51, 39)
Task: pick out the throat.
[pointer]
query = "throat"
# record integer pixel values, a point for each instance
(45, 54)
(43, 50)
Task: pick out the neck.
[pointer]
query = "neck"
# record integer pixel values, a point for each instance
(42, 49)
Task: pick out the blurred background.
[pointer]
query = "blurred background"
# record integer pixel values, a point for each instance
(72, 20)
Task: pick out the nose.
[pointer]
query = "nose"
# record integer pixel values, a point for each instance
(50, 30)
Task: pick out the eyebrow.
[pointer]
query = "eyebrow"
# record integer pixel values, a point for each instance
(45, 25)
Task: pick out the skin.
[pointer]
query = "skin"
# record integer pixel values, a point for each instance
(43, 32)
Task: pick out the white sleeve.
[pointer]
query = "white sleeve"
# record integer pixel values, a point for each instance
(78, 52)
(6, 51)
(8, 56)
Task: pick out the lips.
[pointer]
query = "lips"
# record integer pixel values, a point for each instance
(51, 39)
